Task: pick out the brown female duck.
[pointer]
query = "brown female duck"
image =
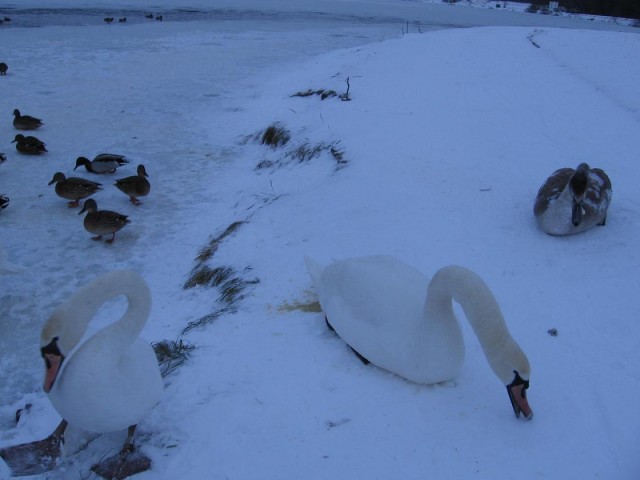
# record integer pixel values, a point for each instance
(29, 145)
(25, 122)
(102, 222)
(74, 188)
(135, 186)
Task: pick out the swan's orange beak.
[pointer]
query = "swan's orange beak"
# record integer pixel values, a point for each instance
(519, 402)
(52, 364)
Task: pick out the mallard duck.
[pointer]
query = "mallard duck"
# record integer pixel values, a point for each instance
(572, 201)
(25, 122)
(102, 222)
(30, 149)
(135, 186)
(29, 145)
(28, 139)
(103, 163)
(74, 188)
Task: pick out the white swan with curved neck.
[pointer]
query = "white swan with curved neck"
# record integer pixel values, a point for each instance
(112, 380)
(377, 305)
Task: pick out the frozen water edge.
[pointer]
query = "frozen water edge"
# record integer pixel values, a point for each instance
(156, 93)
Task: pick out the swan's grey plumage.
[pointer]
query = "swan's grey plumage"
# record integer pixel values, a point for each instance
(573, 200)
(391, 314)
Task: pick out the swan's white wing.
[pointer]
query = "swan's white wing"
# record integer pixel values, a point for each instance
(376, 304)
(114, 394)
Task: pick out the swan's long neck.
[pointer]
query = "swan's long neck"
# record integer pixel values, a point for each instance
(71, 318)
(482, 312)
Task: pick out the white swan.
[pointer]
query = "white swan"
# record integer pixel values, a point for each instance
(572, 201)
(112, 379)
(377, 306)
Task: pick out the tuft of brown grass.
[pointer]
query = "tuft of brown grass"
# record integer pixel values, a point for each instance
(322, 93)
(210, 249)
(275, 136)
(309, 307)
(172, 354)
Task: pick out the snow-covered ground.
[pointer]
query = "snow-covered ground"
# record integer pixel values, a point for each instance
(443, 146)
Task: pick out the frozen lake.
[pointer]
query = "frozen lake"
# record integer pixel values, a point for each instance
(287, 14)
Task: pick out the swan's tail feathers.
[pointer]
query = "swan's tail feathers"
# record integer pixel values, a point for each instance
(314, 269)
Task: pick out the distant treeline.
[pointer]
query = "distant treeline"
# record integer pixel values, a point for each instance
(613, 8)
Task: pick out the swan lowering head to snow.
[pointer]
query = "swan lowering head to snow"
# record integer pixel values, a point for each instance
(112, 379)
(572, 201)
(391, 315)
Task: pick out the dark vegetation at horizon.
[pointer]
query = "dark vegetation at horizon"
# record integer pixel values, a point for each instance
(611, 8)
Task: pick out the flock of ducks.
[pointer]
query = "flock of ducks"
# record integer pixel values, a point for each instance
(74, 189)
(150, 16)
(133, 383)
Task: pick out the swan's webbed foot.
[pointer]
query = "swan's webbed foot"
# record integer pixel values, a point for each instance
(35, 457)
(124, 464)
(129, 447)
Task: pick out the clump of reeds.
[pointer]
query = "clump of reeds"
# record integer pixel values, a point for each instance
(172, 354)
